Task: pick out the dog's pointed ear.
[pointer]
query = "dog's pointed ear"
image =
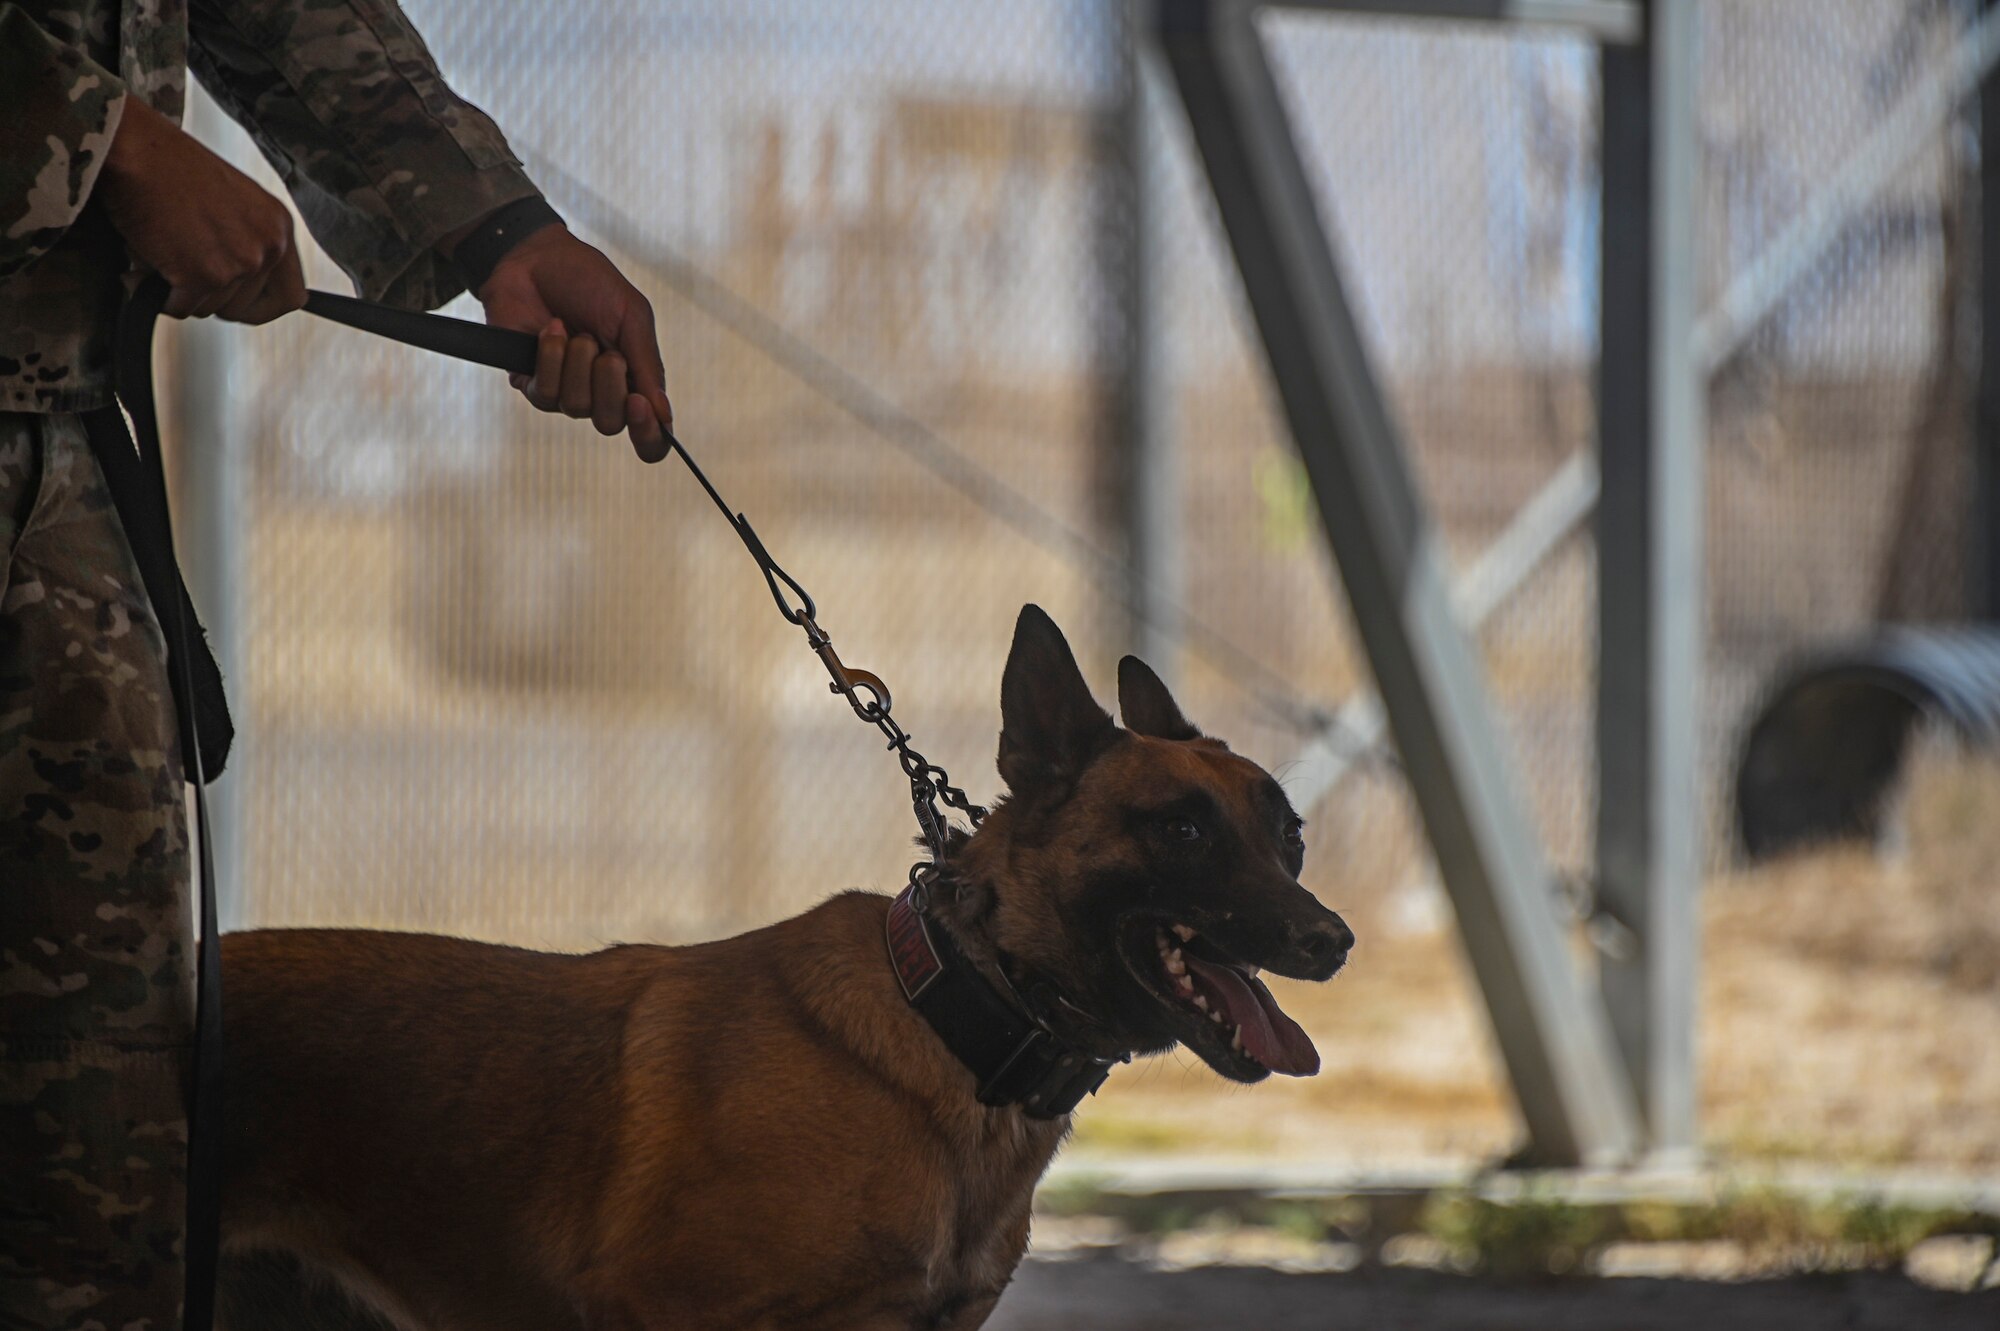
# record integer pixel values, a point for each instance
(1146, 705)
(1050, 726)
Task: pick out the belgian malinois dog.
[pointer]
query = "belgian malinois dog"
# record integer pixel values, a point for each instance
(768, 1131)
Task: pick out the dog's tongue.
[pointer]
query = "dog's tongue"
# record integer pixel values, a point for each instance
(1272, 1038)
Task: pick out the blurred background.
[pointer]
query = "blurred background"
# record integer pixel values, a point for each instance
(948, 312)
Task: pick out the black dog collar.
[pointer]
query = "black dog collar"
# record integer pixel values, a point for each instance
(1017, 1059)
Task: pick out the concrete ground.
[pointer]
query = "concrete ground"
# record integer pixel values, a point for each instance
(1107, 1292)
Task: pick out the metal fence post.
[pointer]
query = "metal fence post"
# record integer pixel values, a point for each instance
(1143, 450)
(1982, 556)
(1651, 597)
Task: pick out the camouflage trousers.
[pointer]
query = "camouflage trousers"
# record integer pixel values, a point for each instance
(96, 977)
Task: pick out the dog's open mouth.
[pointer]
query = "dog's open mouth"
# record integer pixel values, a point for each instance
(1236, 1026)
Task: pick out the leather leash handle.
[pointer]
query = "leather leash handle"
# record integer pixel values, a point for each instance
(461, 339)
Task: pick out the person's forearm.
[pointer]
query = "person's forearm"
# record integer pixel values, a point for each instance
(384, 160)
(58, 112)
(397, 177)
(222, 242)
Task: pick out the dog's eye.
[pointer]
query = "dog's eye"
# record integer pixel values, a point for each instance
(1183, 829)
(1295, 833)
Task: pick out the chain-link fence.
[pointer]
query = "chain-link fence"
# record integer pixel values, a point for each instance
(497, 678)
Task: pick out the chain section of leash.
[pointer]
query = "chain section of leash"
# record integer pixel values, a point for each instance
(864, 690)
(869, 697)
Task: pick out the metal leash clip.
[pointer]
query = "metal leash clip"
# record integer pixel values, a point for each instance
(865, 691)
(848, 681)
(922, 876)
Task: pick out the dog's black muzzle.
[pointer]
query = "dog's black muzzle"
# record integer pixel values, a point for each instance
(1283, 929)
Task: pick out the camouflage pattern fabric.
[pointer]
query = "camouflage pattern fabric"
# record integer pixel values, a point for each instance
(60, 104)
(96, 990)
(342, 96)
(96, 970)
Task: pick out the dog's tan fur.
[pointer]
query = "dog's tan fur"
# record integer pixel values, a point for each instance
(757, 1132)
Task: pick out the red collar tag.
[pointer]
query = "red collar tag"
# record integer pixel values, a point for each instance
(911, 951)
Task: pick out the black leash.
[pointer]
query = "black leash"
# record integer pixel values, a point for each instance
(136, 478)
(866, 693)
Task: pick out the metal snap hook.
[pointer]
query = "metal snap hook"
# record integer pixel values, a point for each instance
(851, 682)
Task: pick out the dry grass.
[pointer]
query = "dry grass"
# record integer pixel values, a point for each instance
(1853, 1002)
(1850, 1014)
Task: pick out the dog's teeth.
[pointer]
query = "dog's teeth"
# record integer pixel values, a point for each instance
(1201, 1001)
(1253, 971)
(1183, 983)
(1236, 1039)
(1175, 966)
(1216, 1016)
(1183, 932)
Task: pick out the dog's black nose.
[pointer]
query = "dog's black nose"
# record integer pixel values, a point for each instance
(1326, 947)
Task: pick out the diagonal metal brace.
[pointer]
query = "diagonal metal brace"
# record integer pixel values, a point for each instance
(1553, 1030)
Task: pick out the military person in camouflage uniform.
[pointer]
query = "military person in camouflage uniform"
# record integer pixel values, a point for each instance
(390, 171)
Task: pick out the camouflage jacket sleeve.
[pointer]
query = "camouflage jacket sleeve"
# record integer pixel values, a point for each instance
(58, 111)
(346, 102)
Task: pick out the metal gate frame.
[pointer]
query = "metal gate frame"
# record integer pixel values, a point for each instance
(1600, 1072)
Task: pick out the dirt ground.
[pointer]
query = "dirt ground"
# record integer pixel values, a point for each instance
(1107, 1293)
(1850, 1016)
